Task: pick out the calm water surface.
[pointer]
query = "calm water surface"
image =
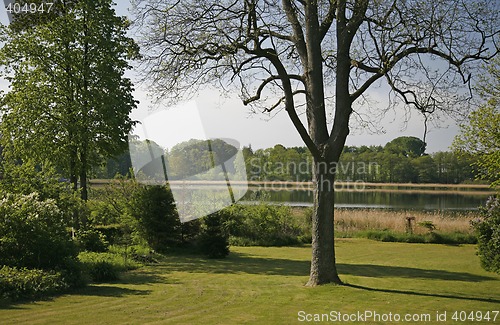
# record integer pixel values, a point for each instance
(401, 200)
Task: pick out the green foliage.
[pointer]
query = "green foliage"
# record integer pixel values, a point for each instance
(102, 212)
(428, 238)
(91, 240)
(406, 146)
(135, 255)
(129, 213)
(263, 224)
(69, 101)
(214, 240)
(278, 163)
(114, 234)
(27, 178)
(488, 230)
(429, 225)
(157, 220)
(480, 136)
(109, 203)
(102, 267)
(196, 157)
(395, 163)
(33, 233)
(102, 271)
(365, 163)
(111, 210)
(23, 283)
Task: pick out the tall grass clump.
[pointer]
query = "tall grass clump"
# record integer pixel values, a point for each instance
(409, 226)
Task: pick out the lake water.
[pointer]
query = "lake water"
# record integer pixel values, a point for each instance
(397, 200)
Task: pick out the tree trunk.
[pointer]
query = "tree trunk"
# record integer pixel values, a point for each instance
(323, 267)
(83, 175)
(73, 178)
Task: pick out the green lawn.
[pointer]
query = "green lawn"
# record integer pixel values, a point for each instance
(257, 285)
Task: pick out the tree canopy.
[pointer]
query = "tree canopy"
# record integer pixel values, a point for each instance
(406, 146)
(480, 135)
(69, 101)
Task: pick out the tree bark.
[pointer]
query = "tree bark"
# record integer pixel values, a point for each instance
(323, 265)
(83, 185)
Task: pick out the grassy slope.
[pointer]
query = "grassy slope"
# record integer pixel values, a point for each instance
(265, 286)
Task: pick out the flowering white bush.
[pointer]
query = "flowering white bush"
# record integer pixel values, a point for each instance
(33, 233)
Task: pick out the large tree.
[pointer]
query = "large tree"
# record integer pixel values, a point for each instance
(480, 135)
(321, 56)
(69, 101)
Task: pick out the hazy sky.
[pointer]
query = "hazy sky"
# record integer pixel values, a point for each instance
(228, 118)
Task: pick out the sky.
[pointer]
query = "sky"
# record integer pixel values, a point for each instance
(225, 116)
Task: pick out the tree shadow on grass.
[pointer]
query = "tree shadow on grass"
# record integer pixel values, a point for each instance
(243, 263)
(109, 291)
(422, 294)
(146, 276)
(91, 290)
(234, 264)
(239, 263)
(149, 276)
(379, 271)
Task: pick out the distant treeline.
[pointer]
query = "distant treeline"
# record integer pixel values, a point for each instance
(403, 160)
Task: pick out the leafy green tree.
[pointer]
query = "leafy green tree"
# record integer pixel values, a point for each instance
(24, 20)
(480, 136)
(406, 146)
(194, 157)
(214, 240)
(453, 168)
(158, 222)
(69, 100)
(426, 169)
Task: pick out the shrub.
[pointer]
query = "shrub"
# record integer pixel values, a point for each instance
(111, 209)
(264, 224)
(102, 267)
(429, 225)
(488, 230)
(114, 234)
(33, 233)
(91, 240)
(17, 283)
(214, 240)
(103, 212)
(27, 178)
(102, 271)
(158, 222)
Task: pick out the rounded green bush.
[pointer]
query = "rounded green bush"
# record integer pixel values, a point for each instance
(91, 240)
(488, 229)
(17, 283)
(33, 233)
(102, 271)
